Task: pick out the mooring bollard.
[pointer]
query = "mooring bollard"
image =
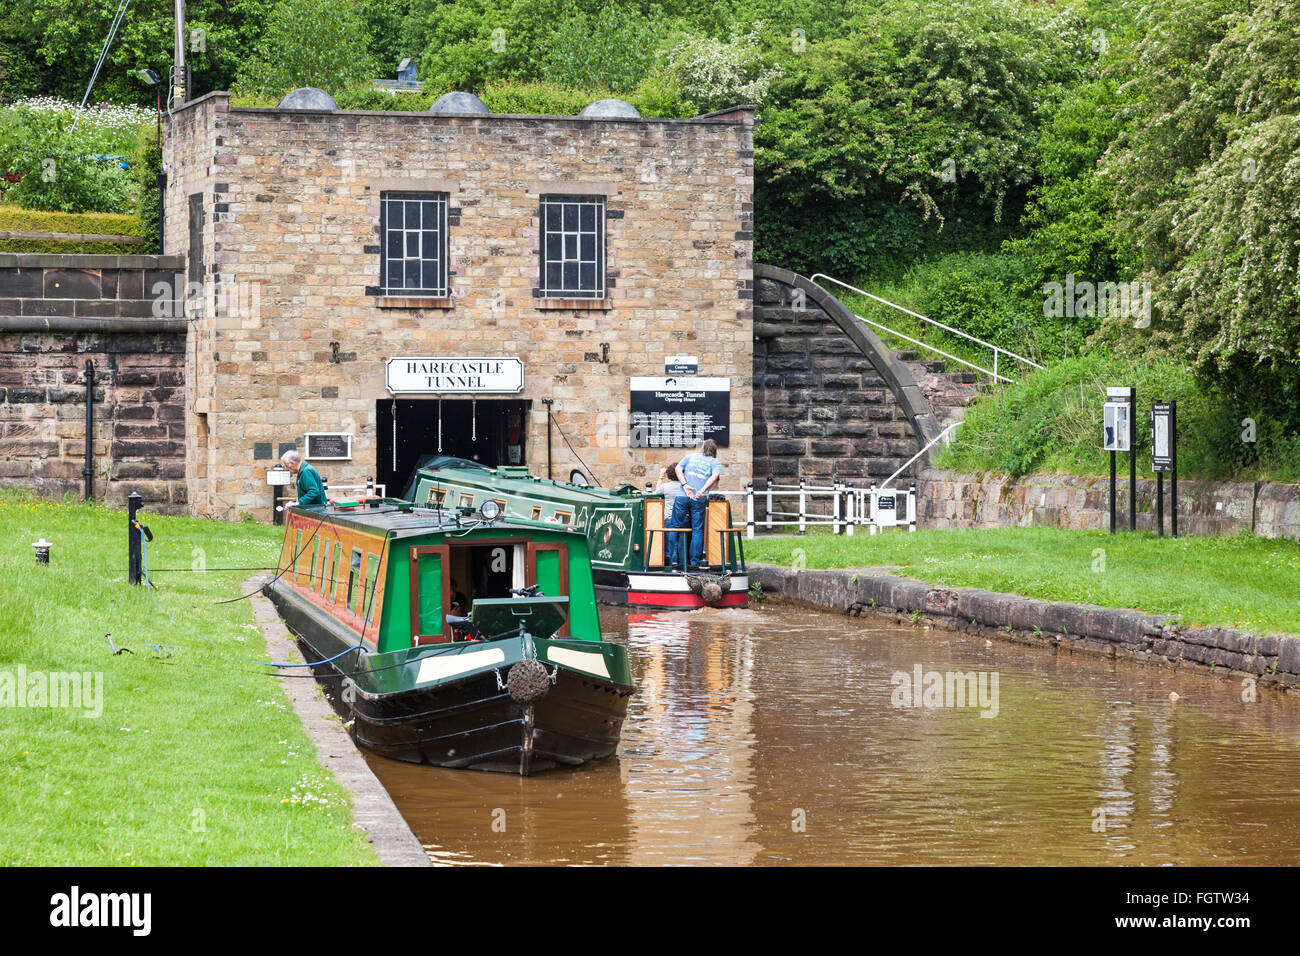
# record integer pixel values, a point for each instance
(42, 550)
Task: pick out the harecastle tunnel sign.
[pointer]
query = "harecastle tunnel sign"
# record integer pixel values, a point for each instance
(443, 376)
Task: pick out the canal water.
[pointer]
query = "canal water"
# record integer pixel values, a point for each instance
(776, 736)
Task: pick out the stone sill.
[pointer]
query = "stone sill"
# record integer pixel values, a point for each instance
(591, 305)
(413, 302)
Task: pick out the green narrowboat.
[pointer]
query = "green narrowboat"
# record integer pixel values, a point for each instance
(454, 637)
(625, 531)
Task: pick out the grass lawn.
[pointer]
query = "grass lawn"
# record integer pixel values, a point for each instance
(196, 758)
(1244, 582)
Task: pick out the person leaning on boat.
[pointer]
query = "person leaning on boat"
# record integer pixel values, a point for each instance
(311, 490)
(670, 486)
(699, 471)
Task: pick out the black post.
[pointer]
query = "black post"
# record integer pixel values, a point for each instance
(1160, 504)
(548, 402)
(133, 560)
(90, 429)
(1132, 461)
(1112, 492)
(277, 495)
(1173, 471)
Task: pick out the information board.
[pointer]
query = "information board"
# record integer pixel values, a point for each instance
(328, 446)
(680, 413)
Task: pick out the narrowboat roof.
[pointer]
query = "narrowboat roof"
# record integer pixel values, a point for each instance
(512, 479)
(404, 520)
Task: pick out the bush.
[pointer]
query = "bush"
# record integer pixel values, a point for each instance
(1050, 421)
(50, 165)
(14, 219)
(309, 43)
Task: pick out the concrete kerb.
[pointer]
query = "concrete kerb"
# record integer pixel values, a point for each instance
(373, 809)
(1271, 660)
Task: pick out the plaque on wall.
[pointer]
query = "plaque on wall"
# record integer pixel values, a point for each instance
(328, 446)
(680, 413)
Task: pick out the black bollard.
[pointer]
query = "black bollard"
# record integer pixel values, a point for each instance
(133, 560)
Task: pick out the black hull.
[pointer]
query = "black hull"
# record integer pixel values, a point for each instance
(474, 724)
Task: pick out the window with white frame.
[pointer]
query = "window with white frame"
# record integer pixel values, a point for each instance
(573, 247)
(414, 233)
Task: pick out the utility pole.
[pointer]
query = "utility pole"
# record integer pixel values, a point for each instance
(178, 74)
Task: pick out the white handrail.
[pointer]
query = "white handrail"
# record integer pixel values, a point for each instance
(928, 445)
(997, 349)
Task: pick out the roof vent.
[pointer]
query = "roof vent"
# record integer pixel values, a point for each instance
(308, 98)
(458, 102)
(610, 109)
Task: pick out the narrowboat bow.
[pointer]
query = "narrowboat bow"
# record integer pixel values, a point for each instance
(454, 638)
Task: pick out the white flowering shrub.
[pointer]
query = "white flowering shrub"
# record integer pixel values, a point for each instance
(714, 73)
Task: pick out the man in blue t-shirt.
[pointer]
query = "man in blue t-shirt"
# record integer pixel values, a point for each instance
(699, 471)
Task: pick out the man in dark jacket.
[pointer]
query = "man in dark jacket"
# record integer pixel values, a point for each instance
(311, 490)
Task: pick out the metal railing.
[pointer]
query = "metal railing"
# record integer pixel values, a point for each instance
(849, 507)
(996, 349)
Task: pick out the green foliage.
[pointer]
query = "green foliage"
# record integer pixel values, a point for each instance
(319, 43)
(50, 47)
(613, 49)
(915, 118)
(545, 99)
(13, 218)
(383, 20)
(145, 166)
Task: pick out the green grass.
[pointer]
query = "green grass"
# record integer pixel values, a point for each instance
(196, 758)
(1244, 582)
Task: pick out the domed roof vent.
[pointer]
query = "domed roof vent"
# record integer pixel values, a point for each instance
(611, 109)
(308, 98)
(458, 102)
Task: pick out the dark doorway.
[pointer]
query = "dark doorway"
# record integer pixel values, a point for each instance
(490, 431)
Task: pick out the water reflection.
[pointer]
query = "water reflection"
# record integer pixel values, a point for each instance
(769, 736)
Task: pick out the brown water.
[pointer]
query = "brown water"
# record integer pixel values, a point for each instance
(771, 736)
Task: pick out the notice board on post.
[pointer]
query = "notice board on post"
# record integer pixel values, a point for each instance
(674, 412)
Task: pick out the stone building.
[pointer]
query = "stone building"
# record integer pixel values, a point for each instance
(373, 287)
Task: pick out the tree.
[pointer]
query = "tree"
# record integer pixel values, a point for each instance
(319, 43)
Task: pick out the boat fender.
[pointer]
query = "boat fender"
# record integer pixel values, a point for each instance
(710, 587)
(528, 681)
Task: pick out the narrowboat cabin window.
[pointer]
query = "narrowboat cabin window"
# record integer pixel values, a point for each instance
(436, 496)
(467, 501)
(315, 554)
(338, 564)
(354, 580)
(564, 517)
(372, 576)
(537, 513)
(297, 554)
(573, 247)
(325, 570)
(414, 230)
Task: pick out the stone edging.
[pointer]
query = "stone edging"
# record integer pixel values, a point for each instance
(1271, 660)
(373, 809)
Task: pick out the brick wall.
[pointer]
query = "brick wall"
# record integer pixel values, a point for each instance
(57, 313)
(292, 201)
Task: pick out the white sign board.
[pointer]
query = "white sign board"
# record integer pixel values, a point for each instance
(681, 364)
(278, 476)
(433, 375)
(1116, 426)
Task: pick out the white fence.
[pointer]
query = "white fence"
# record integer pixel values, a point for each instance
(844, 507)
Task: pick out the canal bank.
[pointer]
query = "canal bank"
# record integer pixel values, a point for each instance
(1271, 660)
(373, 811)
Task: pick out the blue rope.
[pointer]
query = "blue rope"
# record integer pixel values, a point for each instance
(144, 564)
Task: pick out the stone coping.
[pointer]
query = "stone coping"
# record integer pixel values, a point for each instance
(373, 809)
(90, 260)
(1270, 660)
